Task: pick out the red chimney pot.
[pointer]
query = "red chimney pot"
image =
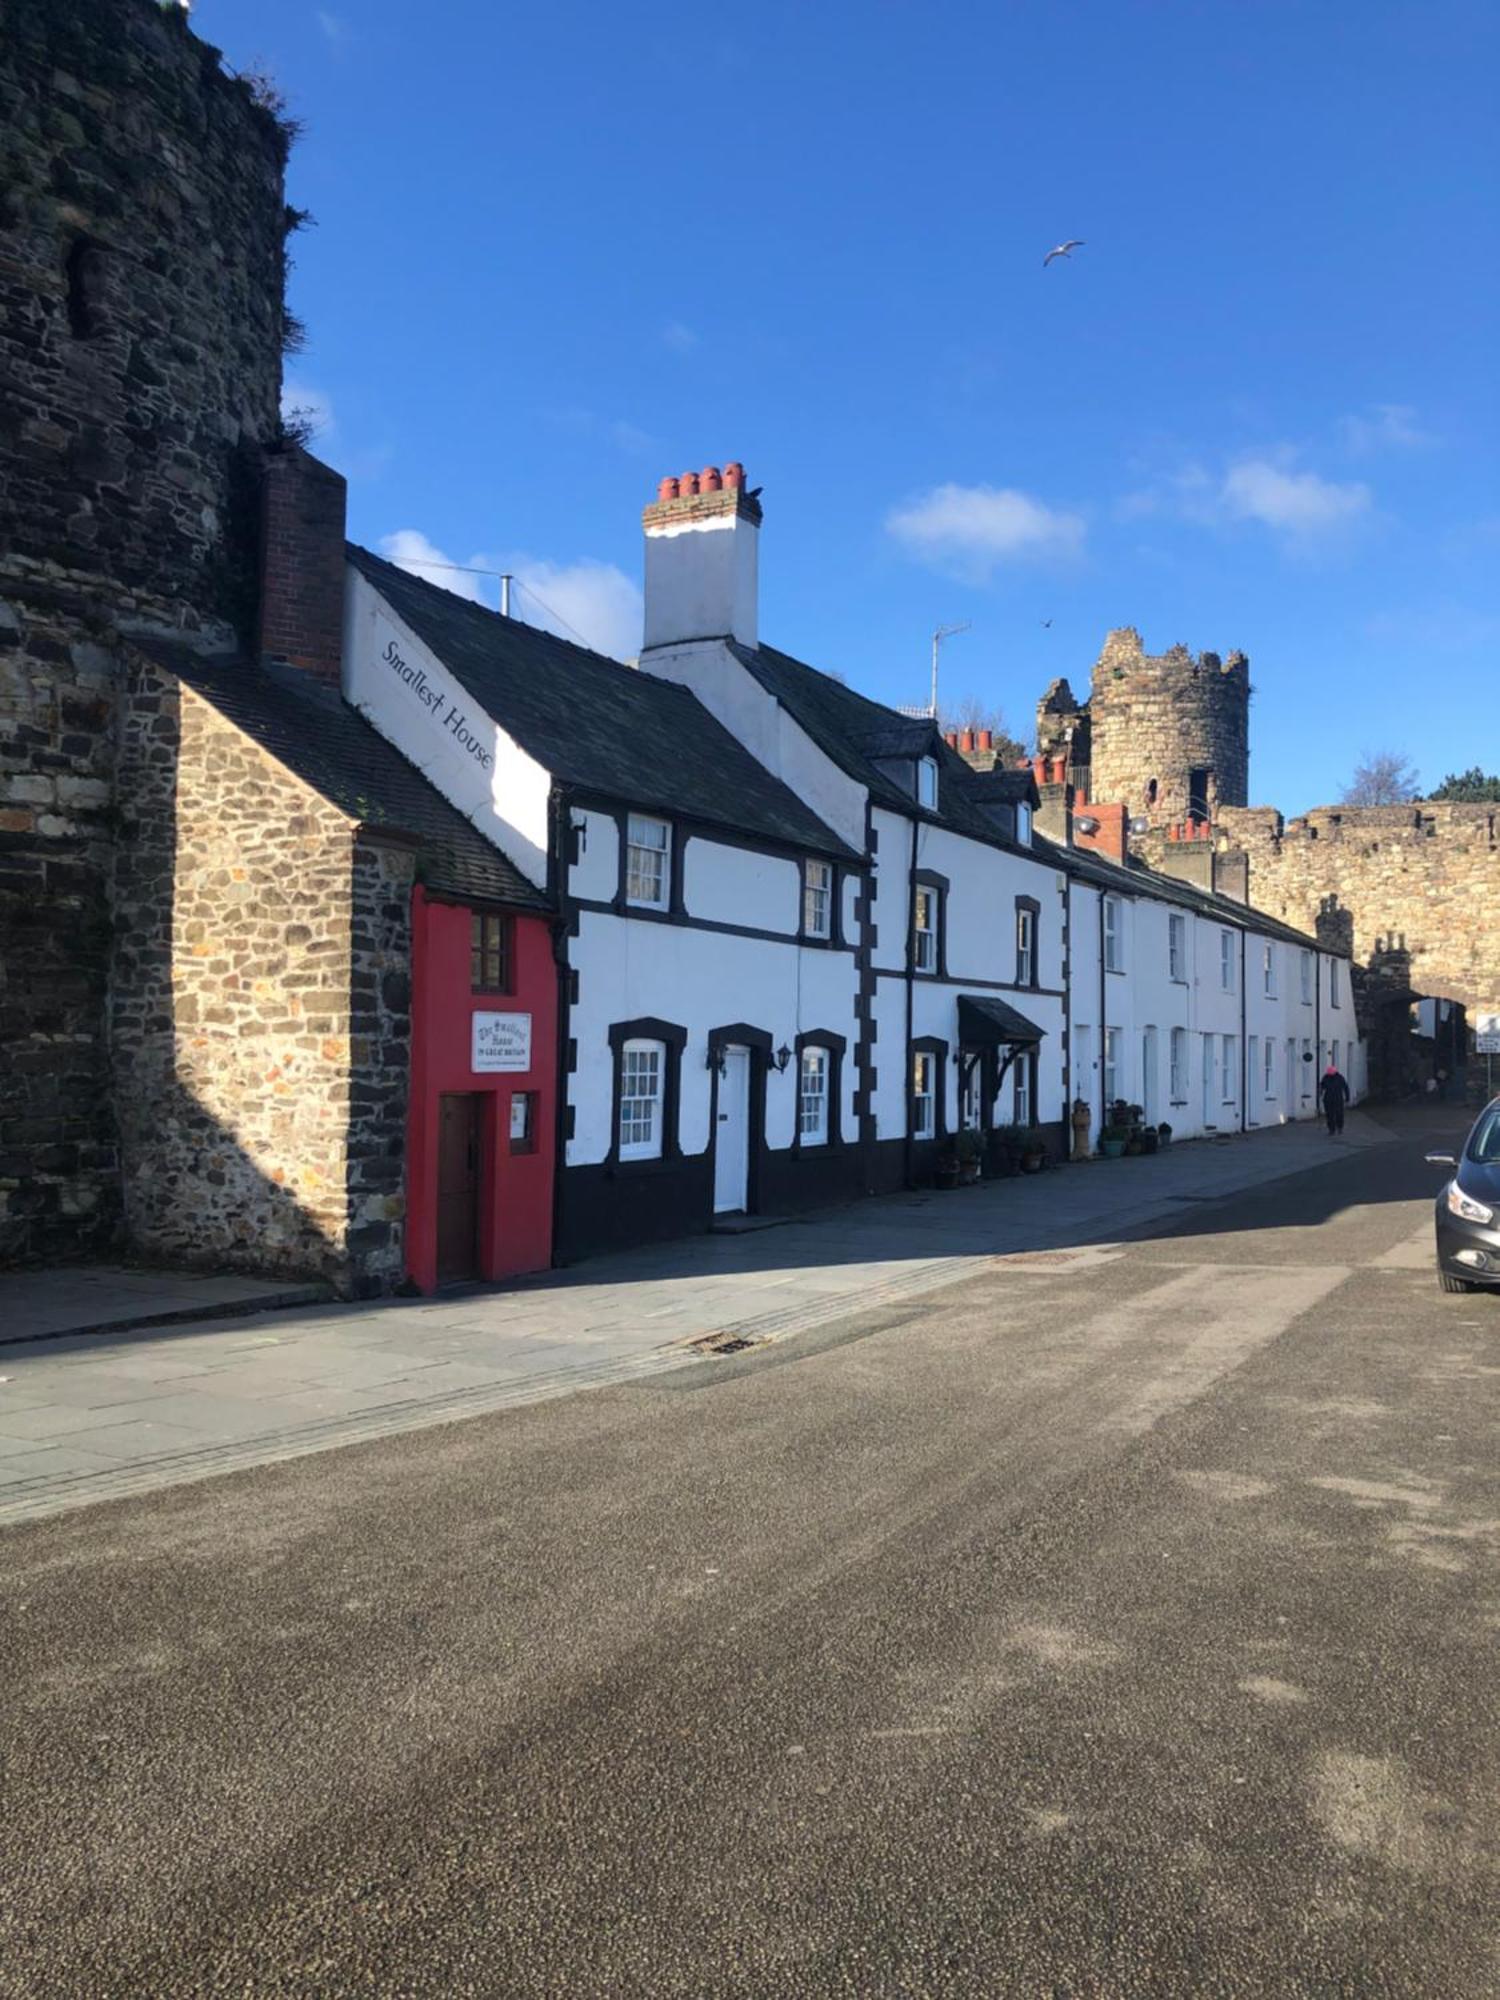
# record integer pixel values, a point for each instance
(666, 489)
(709, 480)
(734, 473)
(688, 485)
(966, 740)
(986, 739)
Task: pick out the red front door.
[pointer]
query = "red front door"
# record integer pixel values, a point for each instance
(459, 1123)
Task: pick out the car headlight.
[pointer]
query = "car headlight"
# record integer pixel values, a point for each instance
(1465, 1205)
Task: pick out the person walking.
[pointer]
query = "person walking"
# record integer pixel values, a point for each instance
(1335, 1095)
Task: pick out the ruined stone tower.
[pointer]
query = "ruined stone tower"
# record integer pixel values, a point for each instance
(142, 228)
(1166, 734)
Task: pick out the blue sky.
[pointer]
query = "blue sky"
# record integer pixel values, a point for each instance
(561, 251)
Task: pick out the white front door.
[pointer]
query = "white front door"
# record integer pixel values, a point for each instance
(732, 1132)
(1149, 1101)
(1289, 1081)
(1210, 1108)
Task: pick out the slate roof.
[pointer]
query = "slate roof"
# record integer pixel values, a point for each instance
(1004, 784)
(854, 731)
(308, 726)
(1136, 879)
(596, 724)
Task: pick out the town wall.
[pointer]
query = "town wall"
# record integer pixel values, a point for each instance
(1428, 873)
(142, 233)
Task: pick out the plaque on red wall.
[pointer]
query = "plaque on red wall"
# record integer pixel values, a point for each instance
(500, 1042)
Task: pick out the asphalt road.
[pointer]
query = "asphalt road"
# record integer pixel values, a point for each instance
(1113, 1624)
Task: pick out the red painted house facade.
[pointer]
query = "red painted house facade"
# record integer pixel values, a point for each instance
(482, 1122)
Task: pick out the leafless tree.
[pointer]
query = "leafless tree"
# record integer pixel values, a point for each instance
(1382, 778)
(971, 711)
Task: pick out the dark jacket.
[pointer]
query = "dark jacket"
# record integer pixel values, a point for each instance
(1332, 1089)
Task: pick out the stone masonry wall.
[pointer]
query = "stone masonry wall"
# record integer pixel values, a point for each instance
(142, 224)
(259, 947)
(1428, 873)
(1154, 716)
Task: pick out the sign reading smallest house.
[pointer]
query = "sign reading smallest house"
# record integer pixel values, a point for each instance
(501, 1041)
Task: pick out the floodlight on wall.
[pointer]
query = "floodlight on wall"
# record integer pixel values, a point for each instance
(1140, 825)
(1085, 824)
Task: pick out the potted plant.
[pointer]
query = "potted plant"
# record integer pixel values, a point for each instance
(945, 1173)
(968, 1150)
(1112, 1140)
(1163, 1135)
(1150, 1139)
(1032, 1148)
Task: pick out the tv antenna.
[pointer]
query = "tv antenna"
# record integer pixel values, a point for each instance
(943, 632)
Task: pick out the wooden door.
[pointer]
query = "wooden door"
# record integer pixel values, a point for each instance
(458, 1186)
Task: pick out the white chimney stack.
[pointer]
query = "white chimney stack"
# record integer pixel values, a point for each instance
(702, 536)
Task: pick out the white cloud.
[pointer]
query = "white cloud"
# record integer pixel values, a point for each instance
(409, 549)
(600, 603)
(1385, 427)
(679, 337)
(586, 600)
(301, 401)
(1299, 505)
(969, 530)
(335, 29)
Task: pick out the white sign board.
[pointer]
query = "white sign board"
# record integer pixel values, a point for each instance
(500, 1042)
(1487, 1034)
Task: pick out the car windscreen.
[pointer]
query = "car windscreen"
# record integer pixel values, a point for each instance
(1484, 1140)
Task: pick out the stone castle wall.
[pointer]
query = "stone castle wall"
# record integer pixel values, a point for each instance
(1153, 717)
(259, 946)
(142, 226)
(1427, 873)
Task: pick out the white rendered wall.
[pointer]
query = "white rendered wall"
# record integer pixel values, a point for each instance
(701, 581)
(629, 967)
(595, 875)
(394, 680)
(738, 885)
(732, 694)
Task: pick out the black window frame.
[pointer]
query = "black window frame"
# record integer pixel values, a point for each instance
(835, 1045)
(928, 878)
(937, 1048)
(673, 1038)
(1030, 904)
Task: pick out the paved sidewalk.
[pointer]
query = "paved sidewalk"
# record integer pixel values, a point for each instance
(108, 1298)
(92, 1418)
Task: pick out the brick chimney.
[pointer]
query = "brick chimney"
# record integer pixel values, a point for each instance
(702, 537)
(1102, 829)
(302, 563)
(1194, 851)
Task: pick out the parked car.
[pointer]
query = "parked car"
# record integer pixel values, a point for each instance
(1468, 1209)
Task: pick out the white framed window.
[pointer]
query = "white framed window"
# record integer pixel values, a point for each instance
(924, 1095)
(1179, 1066)
(1226, 961)
(927, 783)
(1333, 983)
(1114, 935)
(817, 899)
(643, 1068)
(1268, 1078)
(812, 1097)
(1025, 945)
(648, 862)
(1111, 1066)
(1231, 1069)
(925, 918)
(1177, 947)
(1307, 978)
(1268, 969)
(1022, 1068)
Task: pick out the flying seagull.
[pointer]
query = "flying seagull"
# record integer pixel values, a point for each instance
(1063, 250)
(1046, 624)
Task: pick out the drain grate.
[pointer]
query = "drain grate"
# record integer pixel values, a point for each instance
(721, 1343)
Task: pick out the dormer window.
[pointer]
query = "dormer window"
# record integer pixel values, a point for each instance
(927, 783)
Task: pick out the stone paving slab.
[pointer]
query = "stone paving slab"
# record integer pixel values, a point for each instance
(92, 1418)
(104, 1298)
